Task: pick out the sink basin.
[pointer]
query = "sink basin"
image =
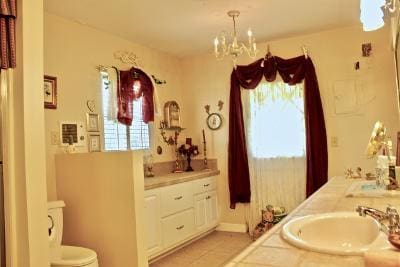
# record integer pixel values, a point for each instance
(338, 233)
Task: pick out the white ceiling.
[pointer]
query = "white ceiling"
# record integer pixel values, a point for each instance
(185, 27)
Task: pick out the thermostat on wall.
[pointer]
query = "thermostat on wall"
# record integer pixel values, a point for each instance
(72, 131)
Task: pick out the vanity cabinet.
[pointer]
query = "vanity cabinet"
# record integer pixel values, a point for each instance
(178, 213)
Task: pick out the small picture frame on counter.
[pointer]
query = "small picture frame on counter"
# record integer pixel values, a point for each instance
(94, 143)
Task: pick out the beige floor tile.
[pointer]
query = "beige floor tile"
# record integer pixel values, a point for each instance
(212, 250)
(277, 257)
(189, 252)
(172, 261)
(251, 265)
(212, 259)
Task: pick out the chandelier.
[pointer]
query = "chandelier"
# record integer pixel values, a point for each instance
(372, 13)
(234, 49)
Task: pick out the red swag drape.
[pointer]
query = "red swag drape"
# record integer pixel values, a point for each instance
(126, 95)
(292, 71)
(8, 14)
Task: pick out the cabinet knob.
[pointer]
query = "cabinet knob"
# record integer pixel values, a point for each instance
(180, 227)
(206, 185)
(177, 198)
(208, 197)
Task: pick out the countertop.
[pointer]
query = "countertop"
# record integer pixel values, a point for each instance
(175, 178)
(270, 250)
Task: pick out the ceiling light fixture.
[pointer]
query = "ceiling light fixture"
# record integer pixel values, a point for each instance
(234, 49)
(372, 13)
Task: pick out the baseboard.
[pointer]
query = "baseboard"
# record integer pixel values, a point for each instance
(232, 227)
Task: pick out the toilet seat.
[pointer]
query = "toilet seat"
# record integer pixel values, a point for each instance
(75, 256)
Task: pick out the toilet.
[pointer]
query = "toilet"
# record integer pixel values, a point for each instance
(65, 256)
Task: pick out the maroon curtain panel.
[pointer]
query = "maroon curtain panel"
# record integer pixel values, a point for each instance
(126, 95)
(8, 15)
(292, 71)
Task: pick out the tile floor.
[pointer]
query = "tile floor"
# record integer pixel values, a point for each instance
(213, 250)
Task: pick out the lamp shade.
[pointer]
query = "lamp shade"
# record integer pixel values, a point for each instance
(371, 14)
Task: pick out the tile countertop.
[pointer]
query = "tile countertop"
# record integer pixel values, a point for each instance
(176, 178)
(270, 250)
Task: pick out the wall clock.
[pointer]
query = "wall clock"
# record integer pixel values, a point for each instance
(214, 121)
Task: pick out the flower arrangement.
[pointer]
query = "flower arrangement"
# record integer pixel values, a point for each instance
(188, 150)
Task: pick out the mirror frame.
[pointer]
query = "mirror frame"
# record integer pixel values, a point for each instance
(397, 57)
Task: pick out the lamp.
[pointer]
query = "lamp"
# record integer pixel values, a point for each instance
(372, 13)
(234, 49)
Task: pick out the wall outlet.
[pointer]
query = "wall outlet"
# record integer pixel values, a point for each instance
(55, 138)
(334, 141)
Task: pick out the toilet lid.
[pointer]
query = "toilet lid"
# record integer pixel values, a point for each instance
(75, 256)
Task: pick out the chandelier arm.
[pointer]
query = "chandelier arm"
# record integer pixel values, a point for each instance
(391, 6)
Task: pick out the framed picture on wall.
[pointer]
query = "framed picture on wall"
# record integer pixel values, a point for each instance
(92, 122)
(50, 92)
(94, 143)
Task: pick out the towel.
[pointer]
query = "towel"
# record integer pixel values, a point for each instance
(388, 258)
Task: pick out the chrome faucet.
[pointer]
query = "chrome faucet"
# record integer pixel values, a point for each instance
(391, 217)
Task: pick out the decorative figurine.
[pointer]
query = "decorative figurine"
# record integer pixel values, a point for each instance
(188, 150)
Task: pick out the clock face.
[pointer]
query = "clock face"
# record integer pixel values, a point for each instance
(214, 121)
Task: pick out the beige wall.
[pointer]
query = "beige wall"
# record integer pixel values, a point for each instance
(24, 151)
(72, 52)
(334, 54)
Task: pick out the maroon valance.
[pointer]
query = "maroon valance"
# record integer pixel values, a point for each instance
(292, 71)
(127, 94)
(8, 14)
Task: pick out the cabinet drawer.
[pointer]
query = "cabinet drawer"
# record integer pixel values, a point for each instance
(177, 227)
(204, 185)
(176, 198)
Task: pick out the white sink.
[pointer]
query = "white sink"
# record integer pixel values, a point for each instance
(338, 233)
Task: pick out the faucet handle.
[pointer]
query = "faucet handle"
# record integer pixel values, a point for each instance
(390, 210)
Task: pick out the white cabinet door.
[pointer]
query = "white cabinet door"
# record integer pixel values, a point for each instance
(212, 208)
(153, 221)
(200, 206)
(206, 210)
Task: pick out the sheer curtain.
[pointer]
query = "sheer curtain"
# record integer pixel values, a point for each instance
(275, 133)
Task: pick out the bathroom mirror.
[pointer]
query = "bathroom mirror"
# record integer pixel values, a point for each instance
(397, 61)
(172, 116)
(377, 140)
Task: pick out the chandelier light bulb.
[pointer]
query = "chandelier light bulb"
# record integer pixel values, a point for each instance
(249, 33)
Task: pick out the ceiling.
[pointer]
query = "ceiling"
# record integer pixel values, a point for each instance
(186, 27)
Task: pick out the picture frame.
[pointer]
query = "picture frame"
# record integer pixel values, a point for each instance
(92, 122)
(50, 92)
(94, 143)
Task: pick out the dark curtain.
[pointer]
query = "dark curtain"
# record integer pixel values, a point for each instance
(292, 71)
(8, 14)
(126, 95)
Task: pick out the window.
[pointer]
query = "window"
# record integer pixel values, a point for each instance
(276, 125)
(118, 136)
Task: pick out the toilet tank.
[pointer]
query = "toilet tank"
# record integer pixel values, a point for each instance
(55, 227)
